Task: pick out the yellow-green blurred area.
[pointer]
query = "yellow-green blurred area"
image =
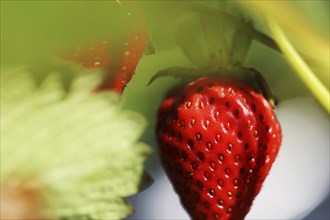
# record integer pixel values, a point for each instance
(33, 31)
(304, 44)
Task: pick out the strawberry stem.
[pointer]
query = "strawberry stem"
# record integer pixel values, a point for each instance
(320, 92)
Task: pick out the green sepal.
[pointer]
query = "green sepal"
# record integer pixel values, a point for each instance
(177, 72)
(150, 47)
(254, 78)
(249, 76)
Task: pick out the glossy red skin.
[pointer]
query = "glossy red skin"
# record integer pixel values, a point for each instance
(118, 63)
(218, 140)
(118, 76)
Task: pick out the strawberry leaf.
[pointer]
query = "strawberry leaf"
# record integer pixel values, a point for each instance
(192, 44)
(240, 43)
(80, 150)
(215, 34)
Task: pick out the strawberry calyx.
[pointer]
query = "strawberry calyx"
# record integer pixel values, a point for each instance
(215, 51)
(210, 42)
(248, 76)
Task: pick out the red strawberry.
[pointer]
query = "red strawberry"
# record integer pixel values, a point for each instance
(93, 55)
(116, 58)
(218, 140)
(121, 73)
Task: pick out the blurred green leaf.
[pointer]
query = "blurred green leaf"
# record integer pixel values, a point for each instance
(240, 44)
(190, 40)
(81, 150)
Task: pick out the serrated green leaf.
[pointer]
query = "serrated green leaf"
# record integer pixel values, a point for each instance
(81, 150)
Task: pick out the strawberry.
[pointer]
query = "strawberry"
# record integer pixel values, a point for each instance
(117, 58)
(124, 70)
(218, 139)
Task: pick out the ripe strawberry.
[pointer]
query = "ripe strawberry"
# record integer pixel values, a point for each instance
(124, 70)
(218, 140)
(117, 58)
(118, 65)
